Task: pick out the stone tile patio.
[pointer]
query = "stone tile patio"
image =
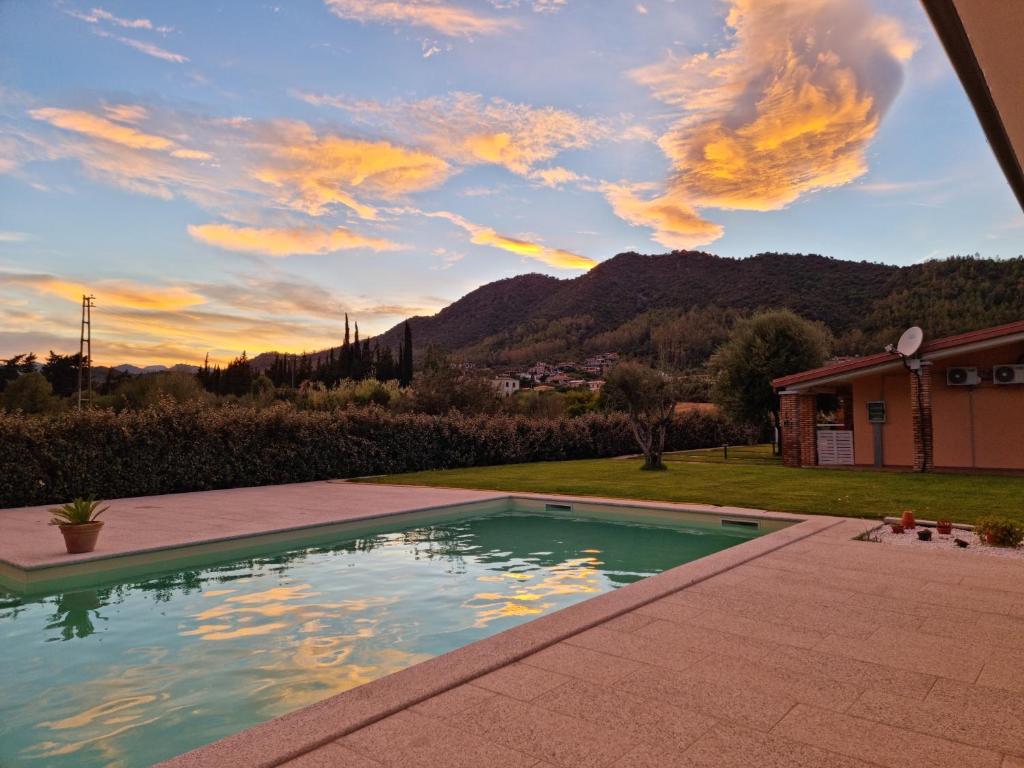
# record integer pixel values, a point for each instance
(803, 648)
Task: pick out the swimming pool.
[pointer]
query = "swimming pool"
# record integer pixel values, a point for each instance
(130, 670)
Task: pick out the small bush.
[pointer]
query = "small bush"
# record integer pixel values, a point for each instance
(999, 531)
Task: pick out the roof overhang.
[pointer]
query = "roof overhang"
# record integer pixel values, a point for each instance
(983, 39)
(895, 363)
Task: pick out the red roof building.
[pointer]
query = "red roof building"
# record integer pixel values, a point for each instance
(958, 403)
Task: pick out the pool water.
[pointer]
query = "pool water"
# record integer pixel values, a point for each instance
(131, 672)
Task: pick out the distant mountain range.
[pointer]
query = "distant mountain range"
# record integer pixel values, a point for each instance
(634, 303)
(100, 371)
(135, 370)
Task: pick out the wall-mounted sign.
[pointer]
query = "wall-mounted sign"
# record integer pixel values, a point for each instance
(876, 411)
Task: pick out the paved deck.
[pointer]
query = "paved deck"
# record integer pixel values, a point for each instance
(798, 649)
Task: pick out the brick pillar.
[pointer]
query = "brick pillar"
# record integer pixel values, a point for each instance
(789, 418)
(921, 415)
(798, 412)
(808, 416)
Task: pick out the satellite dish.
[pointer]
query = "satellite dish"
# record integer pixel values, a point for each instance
(910, 341)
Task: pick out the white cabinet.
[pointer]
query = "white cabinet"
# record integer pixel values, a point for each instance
(835, 446)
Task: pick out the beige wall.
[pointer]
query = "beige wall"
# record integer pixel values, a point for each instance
(897, 438)
(992, 414)
(997, 413)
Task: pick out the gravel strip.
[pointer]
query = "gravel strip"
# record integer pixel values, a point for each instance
(945, 543)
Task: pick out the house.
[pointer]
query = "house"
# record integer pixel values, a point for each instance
(539, 370)
(558, 379)
(957, 403)
(595, 385)
(505, 386)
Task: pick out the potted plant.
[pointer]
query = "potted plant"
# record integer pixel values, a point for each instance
(925, 534)
(999, 531)
(78, 524)
(908, 520)
(944, 527)
(896, 527)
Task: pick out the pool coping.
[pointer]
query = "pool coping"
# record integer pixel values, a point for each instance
(297, 733)
(23, 573)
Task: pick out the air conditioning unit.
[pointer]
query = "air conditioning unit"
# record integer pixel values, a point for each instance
(1008, 374)
(961, 377)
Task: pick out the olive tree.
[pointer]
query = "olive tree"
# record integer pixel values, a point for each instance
(762, 348)
(649, 398)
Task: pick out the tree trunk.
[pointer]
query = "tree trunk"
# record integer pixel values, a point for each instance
(652, 457)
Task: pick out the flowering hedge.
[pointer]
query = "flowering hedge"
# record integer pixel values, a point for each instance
(188, 447)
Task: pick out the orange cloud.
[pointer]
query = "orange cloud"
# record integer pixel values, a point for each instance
(122, 293)
(97, 127)
(555, 176)
(553, 257)
(446, 19)
(676, 225)
(314, 173)
(787, 108)
(286, 241)
(467, 129)
(101, 128)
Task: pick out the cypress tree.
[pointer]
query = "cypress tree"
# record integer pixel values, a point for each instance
(405, 362)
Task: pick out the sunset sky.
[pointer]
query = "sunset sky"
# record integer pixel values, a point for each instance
(236, 175)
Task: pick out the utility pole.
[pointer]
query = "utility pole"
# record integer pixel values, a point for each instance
(85, 352)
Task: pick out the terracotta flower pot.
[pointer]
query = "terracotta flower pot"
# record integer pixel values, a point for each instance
(944, 527)
(908, 520)
(81, 538)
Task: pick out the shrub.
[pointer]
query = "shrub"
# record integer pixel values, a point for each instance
(999, 531)
(31, 393)
(145, 391)
(174, 447)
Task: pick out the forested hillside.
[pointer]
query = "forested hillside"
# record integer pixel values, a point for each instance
(674, 309)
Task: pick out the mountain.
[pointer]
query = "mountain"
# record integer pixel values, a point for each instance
(632, 299)
(678, 306)
(135, 370)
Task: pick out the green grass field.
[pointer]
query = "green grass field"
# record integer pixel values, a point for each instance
(751, 477)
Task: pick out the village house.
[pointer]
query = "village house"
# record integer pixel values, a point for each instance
(956, 403)
(505, 386)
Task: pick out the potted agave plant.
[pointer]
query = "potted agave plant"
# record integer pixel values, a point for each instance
(78, 524)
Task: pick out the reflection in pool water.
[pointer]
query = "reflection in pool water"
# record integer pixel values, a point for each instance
(136, 672)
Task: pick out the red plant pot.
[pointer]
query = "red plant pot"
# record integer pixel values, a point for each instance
(944, 527)
(908, 520)
(81, 538)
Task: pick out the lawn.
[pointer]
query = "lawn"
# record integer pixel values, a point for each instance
(750, 477)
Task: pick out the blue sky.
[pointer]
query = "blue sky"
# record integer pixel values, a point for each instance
(237, 175)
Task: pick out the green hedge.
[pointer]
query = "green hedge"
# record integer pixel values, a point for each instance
(172, 448)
